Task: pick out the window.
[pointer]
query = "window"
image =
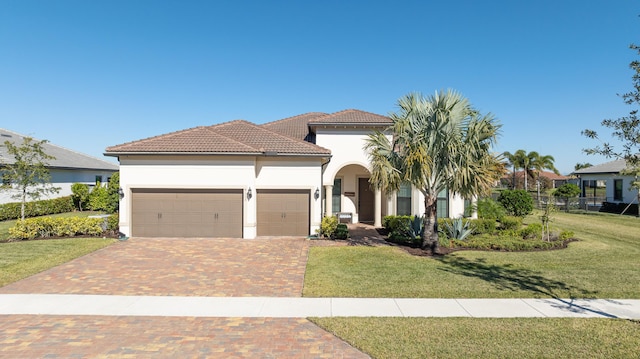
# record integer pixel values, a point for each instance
(593, 188)
(336, 199)
(442, 204)
(617, 190)
(98, 180)
(404, 199)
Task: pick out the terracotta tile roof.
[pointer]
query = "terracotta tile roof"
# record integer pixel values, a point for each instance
(294, 127)
(352, 117)
(547, 174)
(235, 137)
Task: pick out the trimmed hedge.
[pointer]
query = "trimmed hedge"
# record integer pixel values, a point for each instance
(44, 227)
(507, 243)
(10, 211)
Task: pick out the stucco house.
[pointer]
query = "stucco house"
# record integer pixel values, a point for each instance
(67, 168)
(603, 183)
(239, 179)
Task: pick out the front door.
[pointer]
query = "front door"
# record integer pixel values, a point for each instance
(365, 201)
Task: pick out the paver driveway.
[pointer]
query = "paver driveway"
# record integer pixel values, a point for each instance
(178, 267)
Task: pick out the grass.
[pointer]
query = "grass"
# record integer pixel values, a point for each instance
(603, 264)
(487, 337)
(19, 260)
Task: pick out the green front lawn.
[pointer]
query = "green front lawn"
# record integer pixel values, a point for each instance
(487, 337)
(603, 264)
(19, 260)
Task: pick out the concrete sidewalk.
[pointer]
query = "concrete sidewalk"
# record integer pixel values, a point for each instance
(295, 307)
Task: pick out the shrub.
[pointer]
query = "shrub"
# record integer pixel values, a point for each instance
(516, 202)
(328, 226)
(490, 209)
(564, 235)
(113, 201)
(533, 230)
(113, 224)
(99, 198)
(392, 223)
(404, 229)
(506, 243)
(342, 232)
(481, 226)
(43, 227)
(36, 208)
(80, 195)
(510, 223)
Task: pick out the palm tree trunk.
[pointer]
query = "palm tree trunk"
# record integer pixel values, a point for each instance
(430, 221)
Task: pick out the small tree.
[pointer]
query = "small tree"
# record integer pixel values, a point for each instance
(627, 130)
(28, 173)
(113, 204)
(99, 198)
(516, 202)
(566, 192)
(546, 219)
(80, 194)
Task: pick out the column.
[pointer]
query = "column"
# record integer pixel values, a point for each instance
(328, 197)
(377, 211)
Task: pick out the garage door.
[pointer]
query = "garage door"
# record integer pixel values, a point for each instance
(186, 213)
(283, 213)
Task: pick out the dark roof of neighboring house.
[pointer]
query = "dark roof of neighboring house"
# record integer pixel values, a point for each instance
(64, 158)
(607, 167)
(235, 137)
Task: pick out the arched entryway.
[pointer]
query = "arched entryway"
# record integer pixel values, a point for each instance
(349, 195)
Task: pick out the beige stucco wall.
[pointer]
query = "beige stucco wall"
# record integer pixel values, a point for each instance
(226, 172)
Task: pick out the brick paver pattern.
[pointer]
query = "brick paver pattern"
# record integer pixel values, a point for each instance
(174, 267)
(23, 336)
(209, 267)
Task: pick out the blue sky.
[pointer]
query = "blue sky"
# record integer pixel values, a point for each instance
(90, 74)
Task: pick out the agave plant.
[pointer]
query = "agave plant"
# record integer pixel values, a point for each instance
(458, 229)
(416, 227)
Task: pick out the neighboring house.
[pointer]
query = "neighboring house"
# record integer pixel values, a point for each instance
(239, 179)
(67, 168)
(554, 180)
(604, 183)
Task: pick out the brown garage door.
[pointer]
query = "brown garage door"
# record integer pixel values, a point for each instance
(283, 213)
(186, 213)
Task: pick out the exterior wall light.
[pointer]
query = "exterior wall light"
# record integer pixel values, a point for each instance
(316, 194)
(249, 194)
(120, 193)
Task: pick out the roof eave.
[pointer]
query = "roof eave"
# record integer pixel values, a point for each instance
(262, 154)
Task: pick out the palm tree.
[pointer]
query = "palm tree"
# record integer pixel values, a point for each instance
(517, 160)
(540, 163)
(440, 142)
(580, 166)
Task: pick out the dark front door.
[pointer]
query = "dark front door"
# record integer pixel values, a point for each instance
(365, 201)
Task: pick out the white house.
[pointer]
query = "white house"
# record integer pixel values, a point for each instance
(67, 168)
(239, 179)
(604, 183)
